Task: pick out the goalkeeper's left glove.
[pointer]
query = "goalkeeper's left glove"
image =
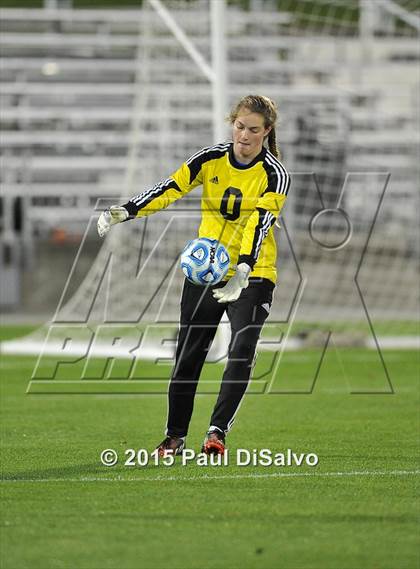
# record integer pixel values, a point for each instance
(115, 214)
(233, 288)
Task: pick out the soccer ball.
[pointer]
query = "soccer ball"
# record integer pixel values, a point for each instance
(204, 261)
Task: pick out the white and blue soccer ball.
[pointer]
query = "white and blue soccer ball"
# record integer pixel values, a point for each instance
(204, 261)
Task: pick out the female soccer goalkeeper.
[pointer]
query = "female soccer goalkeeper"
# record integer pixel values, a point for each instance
(244, 189)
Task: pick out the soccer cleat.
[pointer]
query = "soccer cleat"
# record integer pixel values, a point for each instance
(171, 445)
(214, 443)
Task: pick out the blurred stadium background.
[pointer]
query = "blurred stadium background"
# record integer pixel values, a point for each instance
(100, 100)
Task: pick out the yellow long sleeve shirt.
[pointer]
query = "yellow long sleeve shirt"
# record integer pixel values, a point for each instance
(239, 204)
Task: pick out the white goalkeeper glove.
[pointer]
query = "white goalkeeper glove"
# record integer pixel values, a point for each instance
(233, 288)
(115, 214)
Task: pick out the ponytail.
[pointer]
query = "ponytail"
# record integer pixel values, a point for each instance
(272, 143)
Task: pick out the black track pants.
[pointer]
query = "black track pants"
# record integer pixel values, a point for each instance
(200, 316)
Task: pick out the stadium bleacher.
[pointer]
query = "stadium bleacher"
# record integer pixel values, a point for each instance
(70, 79)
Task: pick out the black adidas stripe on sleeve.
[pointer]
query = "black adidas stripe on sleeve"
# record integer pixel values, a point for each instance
(196, 161)
(140, 201)
(278, 179)
(265, 220)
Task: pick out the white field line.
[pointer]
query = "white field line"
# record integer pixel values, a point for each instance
(150, 352)
(355, 473)
(291, 359)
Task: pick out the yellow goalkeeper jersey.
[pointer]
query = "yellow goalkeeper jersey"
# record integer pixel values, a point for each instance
(239, 203)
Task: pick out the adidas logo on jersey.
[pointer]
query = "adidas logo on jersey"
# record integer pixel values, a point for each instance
(214, 180)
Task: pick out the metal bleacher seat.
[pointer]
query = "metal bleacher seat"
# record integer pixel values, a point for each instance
(69, 83)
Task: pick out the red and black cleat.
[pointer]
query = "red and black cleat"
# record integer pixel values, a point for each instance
(171, 445)
(214, 443)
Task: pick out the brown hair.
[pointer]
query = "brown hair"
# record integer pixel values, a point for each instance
(265, 107)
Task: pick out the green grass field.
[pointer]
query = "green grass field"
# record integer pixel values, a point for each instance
(357, 509)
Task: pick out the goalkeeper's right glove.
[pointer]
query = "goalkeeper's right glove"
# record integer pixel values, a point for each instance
(115, 214)
(233, 288)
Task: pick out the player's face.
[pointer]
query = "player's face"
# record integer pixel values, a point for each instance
(248, 135)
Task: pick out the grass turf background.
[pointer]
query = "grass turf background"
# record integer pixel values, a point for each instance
(62, 508)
